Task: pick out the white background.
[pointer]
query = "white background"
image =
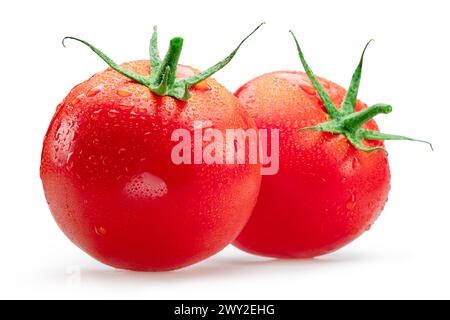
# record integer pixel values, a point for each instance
(405, 255)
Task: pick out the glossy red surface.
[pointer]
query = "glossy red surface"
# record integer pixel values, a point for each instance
(327, 193)
(113, 188)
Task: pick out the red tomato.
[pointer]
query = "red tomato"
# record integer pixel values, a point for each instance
(328, 191)
(113, 188)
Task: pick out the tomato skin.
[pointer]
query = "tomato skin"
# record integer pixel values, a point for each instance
(111, 184)
(327, 193)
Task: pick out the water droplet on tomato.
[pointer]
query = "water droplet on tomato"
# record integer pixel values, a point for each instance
(96, 114)
(126, 107)
(76, 101)
(202, 86)
(141, 109)
(146, 186)
(94, 91)
(121, 151)
(113, 113)
(123, 92)
(133, 115)
(171, 108)
(101, 231)
(308, 89)
(355, 163)
(69, 161)
(69, 166)
(93, 159)
(69, 156)
(352, 203)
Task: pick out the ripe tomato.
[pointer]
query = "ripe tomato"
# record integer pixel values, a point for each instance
(332, 185)
(108, 175)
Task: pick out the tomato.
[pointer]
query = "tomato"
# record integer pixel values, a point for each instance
(334, 178)
(109, 177)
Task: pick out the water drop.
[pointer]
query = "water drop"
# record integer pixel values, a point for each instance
(113, 113)
(69, 161)
(308, 89)
(69, 166)
(141, 110)
(69, 156)
(77, 100)
(146, 186)
(96, 114)
(352, 203)
(355, 163)
(126, 107)
(101, 231)
(123, 92)
(93, 92)
(202, 86)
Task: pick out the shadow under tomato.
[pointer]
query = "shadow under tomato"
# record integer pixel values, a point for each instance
(217, 267)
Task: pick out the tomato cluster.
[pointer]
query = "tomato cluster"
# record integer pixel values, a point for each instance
(115, 190)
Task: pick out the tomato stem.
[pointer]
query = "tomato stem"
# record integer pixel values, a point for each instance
(162, 79)
(355, 120)
(345, 120)
(170, 62)
(332, 111)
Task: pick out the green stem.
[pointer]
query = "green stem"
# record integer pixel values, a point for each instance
(134, 76)
(348, 106)
(155, 60)
(210, 71)
(162, 79)
(355, 120)
(170, 62)
(375, 135)
(332, 111)
(346, 121)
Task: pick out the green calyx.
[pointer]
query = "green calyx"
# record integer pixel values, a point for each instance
(346, 120)
(162, 79)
